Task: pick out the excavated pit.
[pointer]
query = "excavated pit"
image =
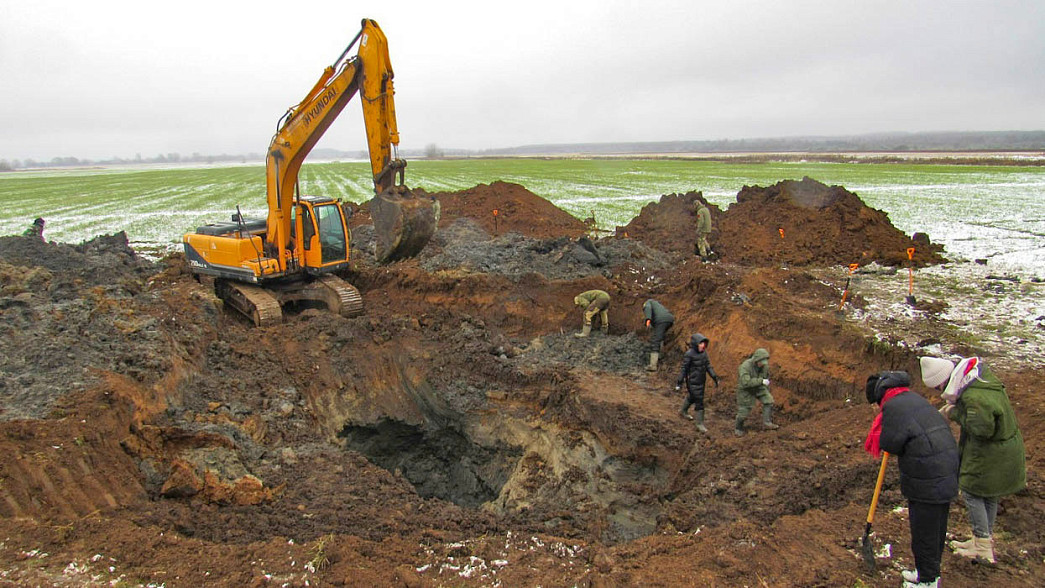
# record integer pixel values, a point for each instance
(443, 463)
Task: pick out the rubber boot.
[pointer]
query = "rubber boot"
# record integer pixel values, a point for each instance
(683, 414)
(956, 545)
(934, 584)
(700, 422)
(584, 331)
(654, 357)
(982, 549)
(738, 427)
(767, 414)
(605, 329)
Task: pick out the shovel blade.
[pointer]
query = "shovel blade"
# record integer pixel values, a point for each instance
(867, 551)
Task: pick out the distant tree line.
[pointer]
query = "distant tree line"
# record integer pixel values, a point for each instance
(14, 164)
(901, 142)
(954, 141)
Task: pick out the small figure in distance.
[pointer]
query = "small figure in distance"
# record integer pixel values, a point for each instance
(36, 229)
(910, 428)
(696, 366)
(658, 319)
(594, 302)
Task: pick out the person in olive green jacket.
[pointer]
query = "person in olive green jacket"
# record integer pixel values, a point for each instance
(703, 231)
(594, 302)
(752, 385)
(993, 463)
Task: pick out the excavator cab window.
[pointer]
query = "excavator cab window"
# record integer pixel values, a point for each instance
(308, 228)
(331, 233)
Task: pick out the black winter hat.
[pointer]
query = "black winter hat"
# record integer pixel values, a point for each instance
(877, 384)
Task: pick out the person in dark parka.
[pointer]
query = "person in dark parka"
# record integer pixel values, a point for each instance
(908, 427)
(696, 367)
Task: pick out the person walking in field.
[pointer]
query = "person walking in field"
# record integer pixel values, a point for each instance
(993, 463)
(696, 367)
(752, 385)
(658, 320)
(594, 302)
(907, 426)
(703, 231)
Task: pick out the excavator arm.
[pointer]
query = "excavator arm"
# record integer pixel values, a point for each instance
(407, 222)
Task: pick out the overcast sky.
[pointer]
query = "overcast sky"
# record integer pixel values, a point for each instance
(103, 78)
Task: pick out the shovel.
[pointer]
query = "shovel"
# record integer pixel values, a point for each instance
(866, 547)
(910, 277)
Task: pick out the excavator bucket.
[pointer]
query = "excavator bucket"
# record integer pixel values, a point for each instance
(404, 221)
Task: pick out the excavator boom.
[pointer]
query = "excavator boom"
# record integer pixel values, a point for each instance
(403, 223)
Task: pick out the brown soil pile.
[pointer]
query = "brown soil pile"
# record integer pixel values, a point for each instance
(517, 210)
(796, 223)
(457, 433)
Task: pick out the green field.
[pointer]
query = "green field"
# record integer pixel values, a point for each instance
(1002, 204)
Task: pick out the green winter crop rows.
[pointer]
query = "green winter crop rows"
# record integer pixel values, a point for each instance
(1000, 204)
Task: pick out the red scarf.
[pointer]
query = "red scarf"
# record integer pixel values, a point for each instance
(875, 434)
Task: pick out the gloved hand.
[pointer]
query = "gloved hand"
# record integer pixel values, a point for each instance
(648, 323)
(716, 382)
(678, 387)
(765, 382)
(946, 409)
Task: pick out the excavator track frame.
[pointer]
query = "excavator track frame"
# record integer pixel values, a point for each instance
(264, 305)
(338, 295)
(256, 303)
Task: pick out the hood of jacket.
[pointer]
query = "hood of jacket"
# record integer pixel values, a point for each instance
(696, 340)
(759, 355)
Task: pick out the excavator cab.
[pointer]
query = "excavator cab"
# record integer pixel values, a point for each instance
(324, 234)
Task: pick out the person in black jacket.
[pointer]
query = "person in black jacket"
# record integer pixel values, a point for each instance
(696, 367)
(908, 427)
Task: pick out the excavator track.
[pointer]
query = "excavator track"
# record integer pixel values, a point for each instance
(349, 301)
(253, 302)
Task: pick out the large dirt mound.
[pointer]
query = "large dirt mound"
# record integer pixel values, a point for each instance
(792, 222)
(517, 210)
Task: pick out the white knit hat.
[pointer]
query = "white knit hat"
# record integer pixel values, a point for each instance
(935, 371)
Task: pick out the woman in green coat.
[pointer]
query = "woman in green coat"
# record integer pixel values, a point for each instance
(991, 445)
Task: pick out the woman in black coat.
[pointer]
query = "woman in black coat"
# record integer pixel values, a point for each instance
(696, 367)
(908, 427)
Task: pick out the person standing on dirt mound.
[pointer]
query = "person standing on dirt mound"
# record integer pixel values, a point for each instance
(703, 231)
(907, 426)
(696, 367)
(594, 302)
(658, 319)
(36, 229)
(752, 385)
(993, 463)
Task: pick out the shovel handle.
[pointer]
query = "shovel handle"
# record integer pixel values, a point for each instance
(877, 489)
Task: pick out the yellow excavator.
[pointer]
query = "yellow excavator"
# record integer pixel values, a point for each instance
(260, 265)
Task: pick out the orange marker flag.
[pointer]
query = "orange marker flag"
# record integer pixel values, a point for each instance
(910, 271)
(781, 232)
